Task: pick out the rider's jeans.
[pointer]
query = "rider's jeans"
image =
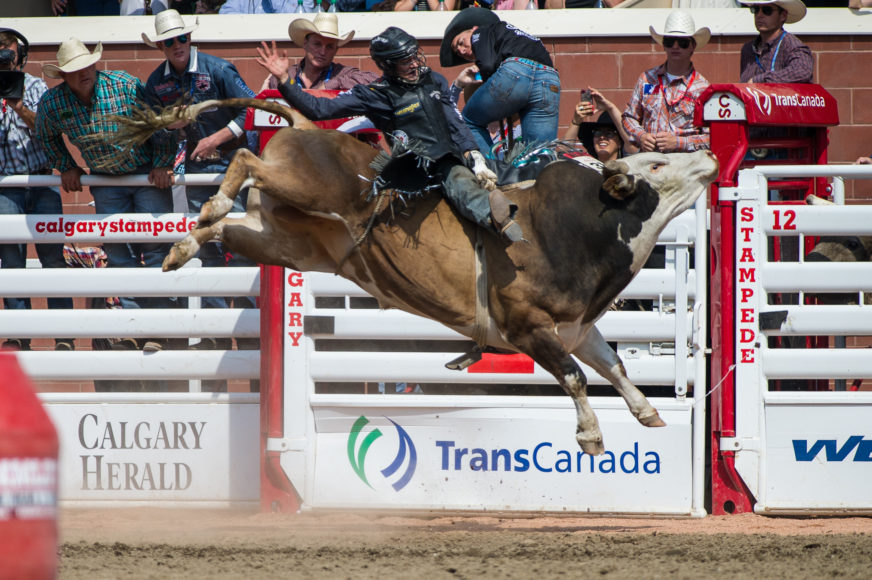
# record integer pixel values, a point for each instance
(517, 87)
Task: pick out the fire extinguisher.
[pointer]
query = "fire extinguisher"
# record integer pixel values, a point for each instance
(28, 479)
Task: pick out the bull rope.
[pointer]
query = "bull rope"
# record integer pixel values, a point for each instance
(378, 207)
(479, 329)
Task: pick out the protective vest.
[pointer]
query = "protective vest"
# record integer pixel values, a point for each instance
(419, 118)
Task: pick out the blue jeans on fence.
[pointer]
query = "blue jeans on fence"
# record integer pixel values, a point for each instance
(142, 199)
(215, 254)
(517, 87)
(31, 200)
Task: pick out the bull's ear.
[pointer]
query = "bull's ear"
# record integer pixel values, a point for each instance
(612, 168)
(620, 186)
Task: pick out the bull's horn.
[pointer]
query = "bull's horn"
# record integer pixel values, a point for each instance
(615, 168)
(812, 199)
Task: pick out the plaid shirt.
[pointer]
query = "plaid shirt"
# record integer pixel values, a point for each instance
(793, 61)
(20, 153)
(659, 105)
(115, 93)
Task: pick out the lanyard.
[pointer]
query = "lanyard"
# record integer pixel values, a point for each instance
(774, 55)
(679, 99)
(299, 81)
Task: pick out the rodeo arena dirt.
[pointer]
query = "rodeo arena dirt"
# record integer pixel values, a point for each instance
(445, 406)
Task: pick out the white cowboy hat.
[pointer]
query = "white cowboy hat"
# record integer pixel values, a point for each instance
(168, 24)
(795, 8)
(325, 24)
(680, 23)
(73, 55)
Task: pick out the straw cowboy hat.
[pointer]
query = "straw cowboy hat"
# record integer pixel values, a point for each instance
(168, 24)
(73, 55)
(325, 24)
(680, 23)
(463, 20)
(795, 8)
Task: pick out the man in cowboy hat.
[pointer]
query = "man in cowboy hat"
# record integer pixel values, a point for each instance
(22, 154)
(210, 142)
(82, 107)
(659, 116)
(320, 40)
(776, 56)
(517, 76)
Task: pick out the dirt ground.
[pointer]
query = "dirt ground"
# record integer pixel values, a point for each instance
(162, 543)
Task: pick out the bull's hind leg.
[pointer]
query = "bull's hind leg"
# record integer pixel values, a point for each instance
(596, 352)
(545, 348)
(241, 172)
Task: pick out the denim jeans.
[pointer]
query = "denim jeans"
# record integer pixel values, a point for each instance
(215, 254)
(144, 199)
(96, 7)
(516, 87)
(31, 200)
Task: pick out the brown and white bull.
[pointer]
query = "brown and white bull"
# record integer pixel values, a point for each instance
(589, 234)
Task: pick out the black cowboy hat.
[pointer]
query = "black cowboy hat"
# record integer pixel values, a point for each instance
(464, 20)
(586, 131)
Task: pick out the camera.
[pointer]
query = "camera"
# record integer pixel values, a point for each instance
(11, 84)
(586, 96)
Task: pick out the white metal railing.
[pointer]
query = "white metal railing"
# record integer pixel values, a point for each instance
(192, 282)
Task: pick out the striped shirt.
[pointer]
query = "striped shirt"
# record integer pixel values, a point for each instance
(87, 127)
(793, 61)
(20, 152)
(662, 105)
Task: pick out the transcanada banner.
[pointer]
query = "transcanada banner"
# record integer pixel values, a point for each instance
(478, 459)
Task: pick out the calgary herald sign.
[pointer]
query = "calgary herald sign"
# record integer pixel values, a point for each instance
(769, 104)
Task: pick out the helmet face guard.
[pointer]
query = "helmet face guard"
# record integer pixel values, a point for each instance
(392, 47)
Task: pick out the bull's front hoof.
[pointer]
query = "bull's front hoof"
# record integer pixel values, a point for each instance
(592, 445)
(218, 206)
(651, 419)
(180, 253)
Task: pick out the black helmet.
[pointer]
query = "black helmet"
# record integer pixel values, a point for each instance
(392, 46)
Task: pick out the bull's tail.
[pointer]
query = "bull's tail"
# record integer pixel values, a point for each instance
(144, 121)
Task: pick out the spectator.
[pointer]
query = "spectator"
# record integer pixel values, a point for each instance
(606, 138)
(264, 6)
(320, 40)
(424, 5)
(81, 108)
(429, 125)
(210, 141)
(863, 161)
(86, 7)
(659, 116)
(142, 7)
(21, 154)
(517, 76)
(776, 56)
(558, 4)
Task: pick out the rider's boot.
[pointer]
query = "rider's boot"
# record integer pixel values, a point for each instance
(502, 216)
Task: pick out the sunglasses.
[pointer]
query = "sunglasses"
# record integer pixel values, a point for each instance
(766, 10)
(183, 39)
(682, 41)
(607, 133)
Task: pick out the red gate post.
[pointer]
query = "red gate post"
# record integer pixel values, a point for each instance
(799, 115)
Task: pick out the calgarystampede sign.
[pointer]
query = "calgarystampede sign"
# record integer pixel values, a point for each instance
(99, 473)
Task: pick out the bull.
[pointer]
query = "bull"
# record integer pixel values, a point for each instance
(310, 208)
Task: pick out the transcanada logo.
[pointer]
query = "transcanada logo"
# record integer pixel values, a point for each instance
(357, 453)
(833, 451)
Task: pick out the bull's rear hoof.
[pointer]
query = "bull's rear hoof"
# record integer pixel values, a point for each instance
(591, 446)
(651, 419)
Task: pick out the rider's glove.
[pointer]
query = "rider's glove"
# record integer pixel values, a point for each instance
(483, 175)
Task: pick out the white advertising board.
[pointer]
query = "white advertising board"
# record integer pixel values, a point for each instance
(523, 459)
(818, 456)
(173, 453)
